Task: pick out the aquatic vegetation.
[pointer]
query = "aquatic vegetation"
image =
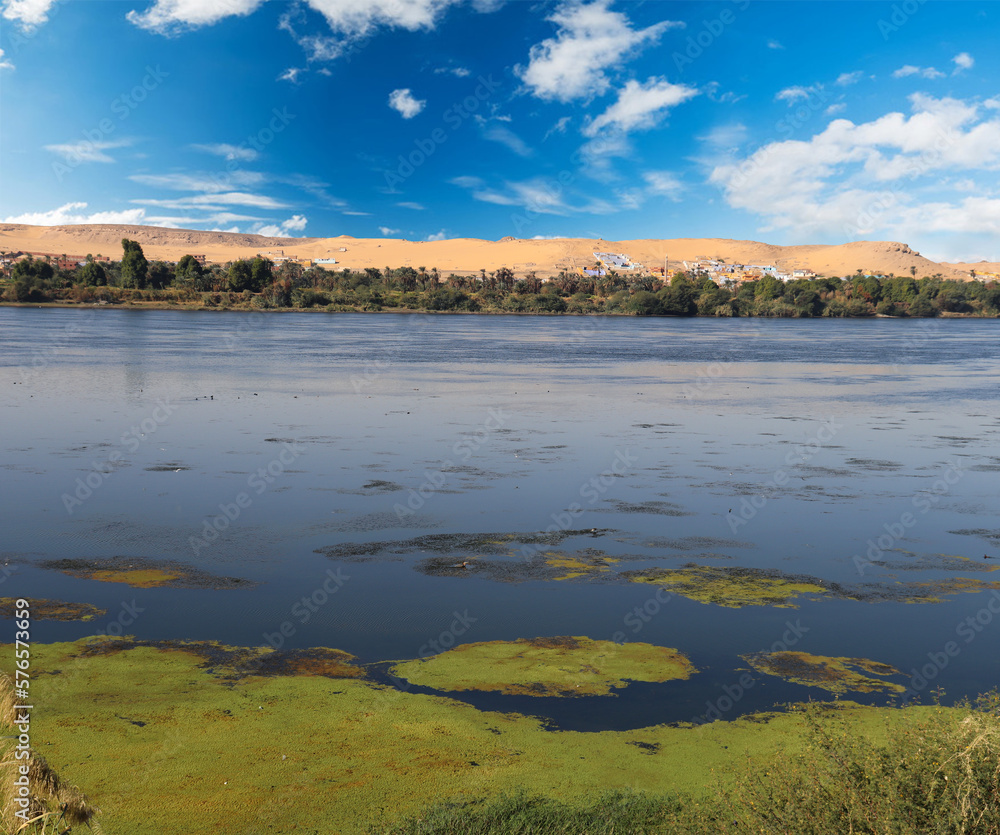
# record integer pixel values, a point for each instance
(52, 609)
(460, 544)
(235, 663)
(934, 591)
(730, 586)
(837, 675)
(584, 564)
(144, 573)
(343, 754)
(564, 666)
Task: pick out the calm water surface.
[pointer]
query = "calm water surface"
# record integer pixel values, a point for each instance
(767, 444)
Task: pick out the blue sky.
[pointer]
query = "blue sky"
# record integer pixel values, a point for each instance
(786, 121)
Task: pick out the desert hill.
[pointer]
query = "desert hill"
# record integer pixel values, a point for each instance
(469, 255)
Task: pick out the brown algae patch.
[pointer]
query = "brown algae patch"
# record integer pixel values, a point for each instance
(235, 663)
(835, 674)
(144, 573)
(52, 609)
(560, 666)
(730, 587)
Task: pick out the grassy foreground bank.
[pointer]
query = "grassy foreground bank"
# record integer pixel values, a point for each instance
(174, 740)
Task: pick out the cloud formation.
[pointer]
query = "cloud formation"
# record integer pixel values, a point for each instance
(590, 40)
(404, 103)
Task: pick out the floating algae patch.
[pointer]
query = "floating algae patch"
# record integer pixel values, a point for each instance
(306, 753)
(52, 609)
(538, 565)
(585, 564)
(564, 666)
(459, 544)
(934, 591)
(837, 675)
(730, 587)
(144, 573)
(657, 508)
(235, 663)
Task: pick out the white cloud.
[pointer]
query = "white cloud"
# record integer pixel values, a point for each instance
(409, 205)
(69, 213)
(458, 72)
(505, 136)
(386, 231)
(726, 137)
(834, 109)
(795, 93)
(29, 13)
(200, 182)
(847, 78)
(663, 183)
(405, 104)
(924, 72)
(773, 44)
(291, 74)
(641, 106)
(357, 214)
(87, 151)
(559, 127)
(889, 176)
(296, 223)
(229, 152)
(5, 65)
(466, 181)
(590, 40)
(166, 16)
(437, 236)
(233, 198)
(963, 61)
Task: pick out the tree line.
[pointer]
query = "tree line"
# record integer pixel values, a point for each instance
(258, 283)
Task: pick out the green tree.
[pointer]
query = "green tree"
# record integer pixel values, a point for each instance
(160, 275)
(240, 276)
(134, 267)
(92, 274)
(188, 272)
(261, 274)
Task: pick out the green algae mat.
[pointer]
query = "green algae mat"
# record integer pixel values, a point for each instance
(164, 741)
(565, 666)
(730, 587)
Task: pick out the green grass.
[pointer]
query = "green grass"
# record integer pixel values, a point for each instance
(938, 773)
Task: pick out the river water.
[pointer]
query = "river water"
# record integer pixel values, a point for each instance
(275, 447)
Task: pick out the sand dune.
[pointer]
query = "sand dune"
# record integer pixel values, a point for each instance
(469, 255)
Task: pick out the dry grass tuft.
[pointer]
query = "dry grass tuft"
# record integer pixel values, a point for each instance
(55, 806)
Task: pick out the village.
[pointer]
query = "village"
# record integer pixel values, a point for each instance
(604, 264)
